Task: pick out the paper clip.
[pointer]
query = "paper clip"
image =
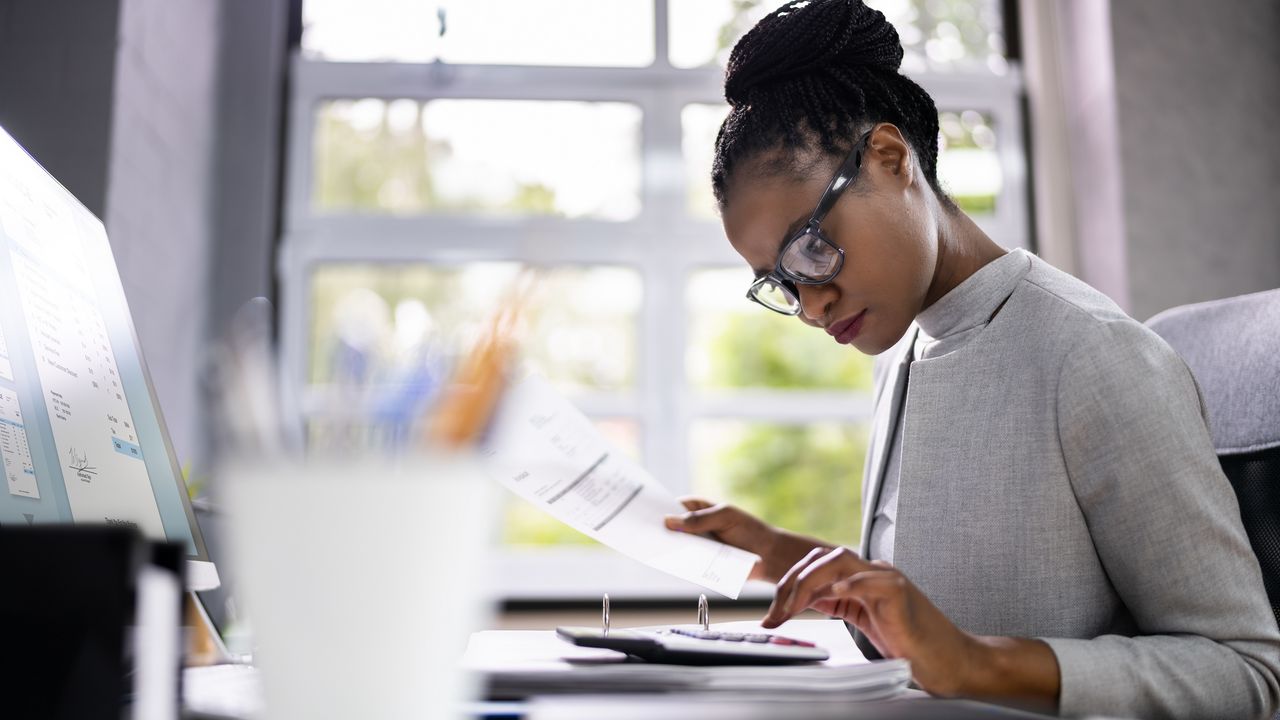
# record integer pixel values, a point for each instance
(604, 620)
(704, 613)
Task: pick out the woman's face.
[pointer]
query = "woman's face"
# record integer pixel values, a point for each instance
(885, 224)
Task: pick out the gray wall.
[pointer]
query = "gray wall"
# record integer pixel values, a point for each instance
(56, 88)
(162, 116)
(1198, 89)
(160, 191)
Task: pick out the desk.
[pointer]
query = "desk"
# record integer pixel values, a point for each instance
(527, 666)
(236, 692)
(915, 705)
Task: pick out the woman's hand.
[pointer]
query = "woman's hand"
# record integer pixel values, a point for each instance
(902, 623)
(777, 548)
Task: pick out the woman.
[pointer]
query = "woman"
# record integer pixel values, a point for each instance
(1044, 516)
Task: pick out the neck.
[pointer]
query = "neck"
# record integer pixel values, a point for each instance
(963, 249)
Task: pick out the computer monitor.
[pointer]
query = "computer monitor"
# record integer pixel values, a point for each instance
(82, 438)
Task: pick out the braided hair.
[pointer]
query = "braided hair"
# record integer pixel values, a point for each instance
(812, 75)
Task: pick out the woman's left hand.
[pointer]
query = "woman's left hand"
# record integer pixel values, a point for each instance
(888, 608)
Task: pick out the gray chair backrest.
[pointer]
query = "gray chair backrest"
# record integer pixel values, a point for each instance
(1233, 349)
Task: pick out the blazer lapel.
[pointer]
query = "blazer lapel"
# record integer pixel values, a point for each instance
(887, 410)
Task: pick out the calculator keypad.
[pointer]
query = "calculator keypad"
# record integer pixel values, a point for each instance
(741, 637)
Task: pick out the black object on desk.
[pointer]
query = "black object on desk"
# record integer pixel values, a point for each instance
(681, 646)
(68, 603)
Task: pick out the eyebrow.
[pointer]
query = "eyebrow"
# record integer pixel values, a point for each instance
(790, 232)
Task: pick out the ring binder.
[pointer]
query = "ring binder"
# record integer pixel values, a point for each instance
(704, 614)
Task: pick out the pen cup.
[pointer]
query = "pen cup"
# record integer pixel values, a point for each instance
(364, 578)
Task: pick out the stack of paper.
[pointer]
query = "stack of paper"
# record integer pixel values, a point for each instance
(517, 664)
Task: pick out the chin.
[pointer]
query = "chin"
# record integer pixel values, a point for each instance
(869, 347)
(870, 342)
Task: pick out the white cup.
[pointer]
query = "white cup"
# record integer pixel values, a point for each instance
(363, 578)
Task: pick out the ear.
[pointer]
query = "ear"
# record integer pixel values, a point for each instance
(889, 157)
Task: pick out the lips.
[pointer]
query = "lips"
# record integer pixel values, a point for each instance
(844, 331)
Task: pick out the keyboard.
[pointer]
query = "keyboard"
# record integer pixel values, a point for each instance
(686, 646)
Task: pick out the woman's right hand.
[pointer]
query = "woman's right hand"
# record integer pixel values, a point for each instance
(778, 549)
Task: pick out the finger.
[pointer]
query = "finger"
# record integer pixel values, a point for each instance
(838, 607)
(814, 580)
(693, 502)
(703, 520)
(877, 600)
(873, 584)
(690, 503)
(782, 595)
(851, 610)
(880, 593)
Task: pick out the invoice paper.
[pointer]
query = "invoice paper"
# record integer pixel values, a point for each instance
(547, 452)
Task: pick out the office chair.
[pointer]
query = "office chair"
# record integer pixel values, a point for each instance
(1233, 349)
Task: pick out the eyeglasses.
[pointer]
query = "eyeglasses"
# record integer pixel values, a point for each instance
(809, 257)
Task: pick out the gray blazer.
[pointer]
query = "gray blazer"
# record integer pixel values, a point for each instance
(1058, 481)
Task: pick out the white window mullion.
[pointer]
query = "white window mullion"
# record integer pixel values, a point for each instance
(661, 35)
(662, 319)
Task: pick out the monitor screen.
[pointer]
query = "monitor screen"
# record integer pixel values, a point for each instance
(81, 435)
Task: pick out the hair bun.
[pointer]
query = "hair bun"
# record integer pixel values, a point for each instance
(806, 36)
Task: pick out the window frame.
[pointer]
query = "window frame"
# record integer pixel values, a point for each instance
(663, 243)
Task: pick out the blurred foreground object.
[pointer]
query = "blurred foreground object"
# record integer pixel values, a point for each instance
(363, 577)
(468, 403)
(92, 624)
(363, 554)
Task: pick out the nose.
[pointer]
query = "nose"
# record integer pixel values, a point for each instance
(815, 300)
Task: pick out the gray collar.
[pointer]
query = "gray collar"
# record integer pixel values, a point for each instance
(972, 303)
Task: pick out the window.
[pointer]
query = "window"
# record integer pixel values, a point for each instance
(477, 157)
(424, 169)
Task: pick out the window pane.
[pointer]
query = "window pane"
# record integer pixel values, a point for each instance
(805, 478)
(525, 524)
(968, 165)
(703, 32)
(478, 157)
(492, 32)
(935, 34)
(699, 124)
(373, 323)
(734, 343)
(948, 34)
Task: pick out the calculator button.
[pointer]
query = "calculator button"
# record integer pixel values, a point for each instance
(803, 643)
(779, 640)
(732, 637)
(757, 638)
(707, 635)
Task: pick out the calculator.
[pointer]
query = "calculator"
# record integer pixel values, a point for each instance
(683, 646)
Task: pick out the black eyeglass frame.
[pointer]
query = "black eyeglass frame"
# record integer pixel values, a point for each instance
(785, 279)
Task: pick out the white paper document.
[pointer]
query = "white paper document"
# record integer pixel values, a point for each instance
(547, 452)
